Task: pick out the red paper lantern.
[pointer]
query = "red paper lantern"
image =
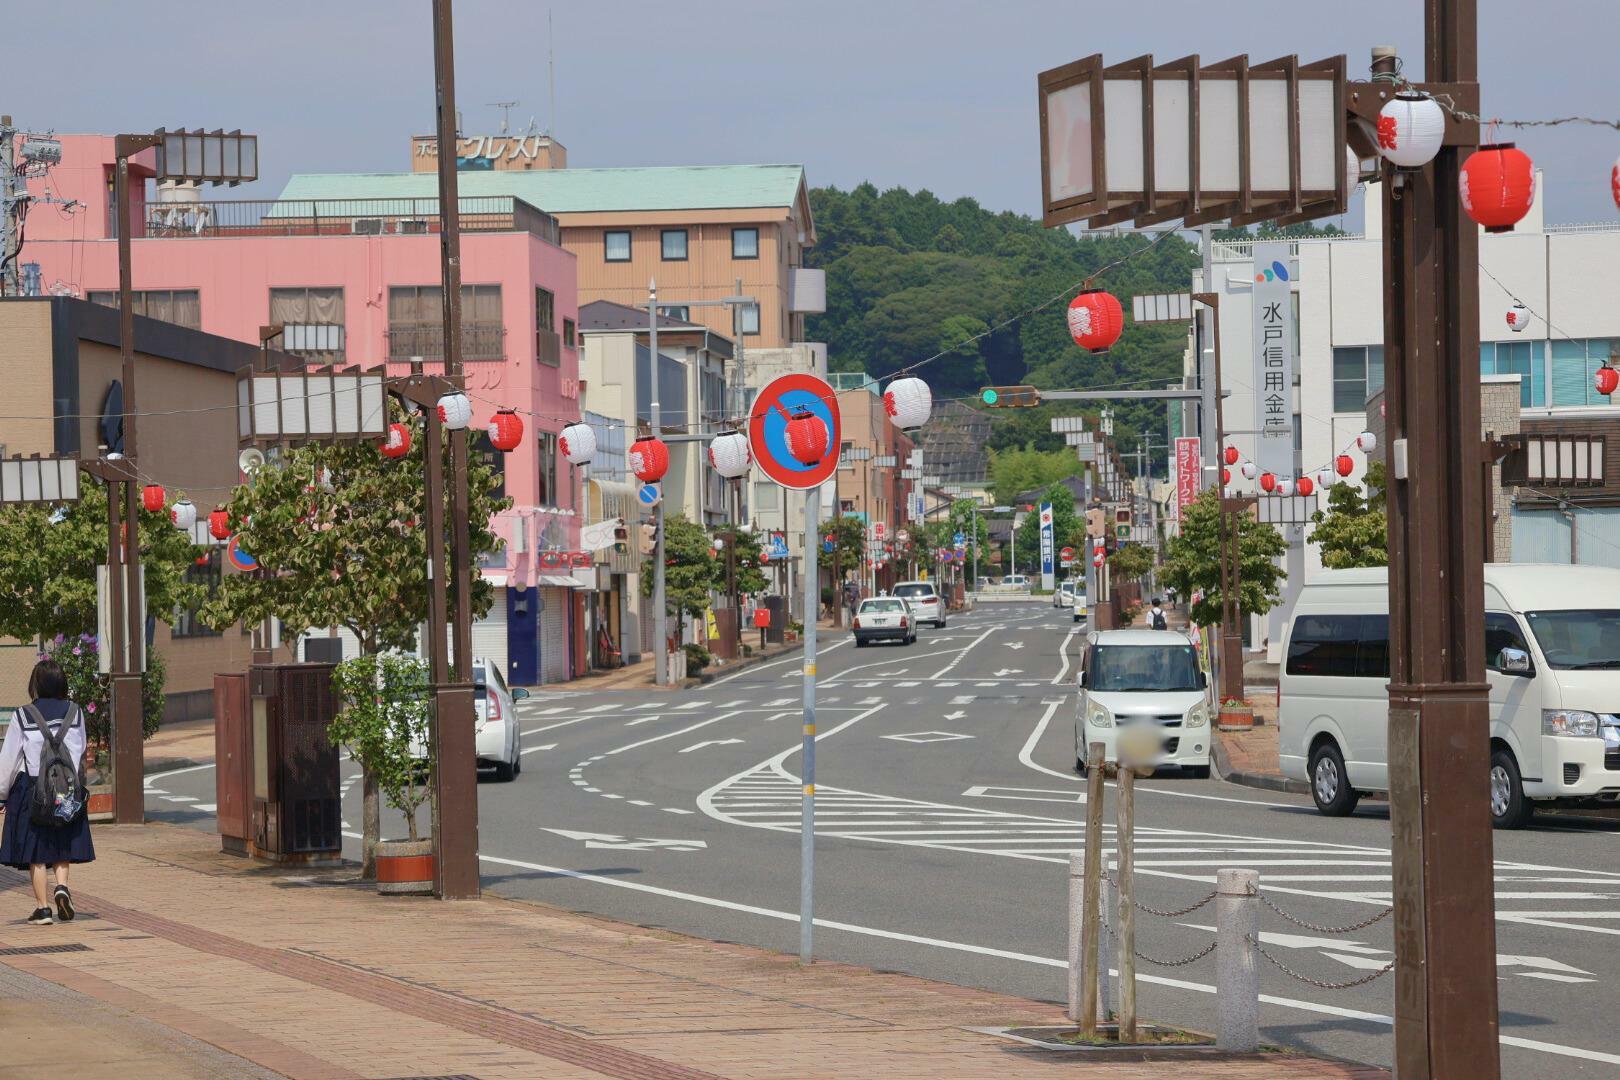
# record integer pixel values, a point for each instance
(1268, 482)
(398, 441)
(1607, 380)
(1304, 486)
(152, 497)
(1497, 184)
(806, 437)
(505, 431)
(1232, 455)
(1344, 465)
(649, 460)
(1614, 181)
(1095, 320)
(219, 525)
(1226, 477)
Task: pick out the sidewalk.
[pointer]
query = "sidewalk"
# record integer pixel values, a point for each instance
(312, 975)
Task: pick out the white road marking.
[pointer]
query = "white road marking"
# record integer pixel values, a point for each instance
(552, 711)
(675, 810)
(643, 720)
(615, 842)
(176, 772)
(603, 708)
(1013, 644)
(1063, 654)
(537, 749)
(179, 798)
(707, 742)
(962, 652)
(905, 685)
(668, 734)
(928, 737)
(822, 650)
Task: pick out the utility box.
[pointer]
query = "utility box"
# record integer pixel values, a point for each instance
(233, 747)
(294, 809)
(777, 606)
(724, 643)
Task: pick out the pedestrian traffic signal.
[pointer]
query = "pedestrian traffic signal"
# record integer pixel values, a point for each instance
(649, 538)
(1010, 397)
(1095, 525)
(621, 539)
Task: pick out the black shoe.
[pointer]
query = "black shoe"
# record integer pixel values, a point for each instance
(41, 917)
(64, 904)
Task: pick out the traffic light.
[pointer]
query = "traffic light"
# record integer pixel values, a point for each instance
(1095, 524)
(621, 539)
(1010, 397)
(649, 538)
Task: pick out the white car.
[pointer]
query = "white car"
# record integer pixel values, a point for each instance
(1078, 598)
(884, 618)
(1063, 595)
(926, 604)
(1144, 677)
(498, 736)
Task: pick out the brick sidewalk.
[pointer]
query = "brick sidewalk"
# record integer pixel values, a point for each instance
(312, 975)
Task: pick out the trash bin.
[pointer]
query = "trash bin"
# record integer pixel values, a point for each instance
(777, 606)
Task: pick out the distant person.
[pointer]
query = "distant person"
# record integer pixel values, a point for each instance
(1156, 619)
(44, 752)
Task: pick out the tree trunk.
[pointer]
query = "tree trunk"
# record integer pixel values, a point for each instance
(371, 825)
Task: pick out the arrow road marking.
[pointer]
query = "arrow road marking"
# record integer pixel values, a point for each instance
(927, 737)
(642, 720)
(615, 842)
(708, 742)
(1006, 671)
(1014, 644)
(957, 715)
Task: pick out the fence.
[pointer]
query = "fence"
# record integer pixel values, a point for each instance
(343, 217)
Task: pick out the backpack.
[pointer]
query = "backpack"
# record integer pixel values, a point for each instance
(1159, 622)
(59, 792)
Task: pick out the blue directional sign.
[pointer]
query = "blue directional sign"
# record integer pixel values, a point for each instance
(827, 545)
(960, 540)
(650, 495)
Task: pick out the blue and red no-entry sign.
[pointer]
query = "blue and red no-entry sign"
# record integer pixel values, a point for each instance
(239, 558)
(767, 430)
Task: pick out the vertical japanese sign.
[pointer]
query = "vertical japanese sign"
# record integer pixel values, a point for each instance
(1186, 473)
(1048, 554)
(1274, 358)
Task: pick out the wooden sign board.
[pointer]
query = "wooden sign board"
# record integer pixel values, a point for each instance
(1152, 143)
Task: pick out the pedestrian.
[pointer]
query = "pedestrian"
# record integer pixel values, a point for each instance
(45, 736)
(852, 597)
(1156, 619)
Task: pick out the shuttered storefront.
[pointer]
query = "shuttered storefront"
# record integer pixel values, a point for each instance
(489, 634)
(554, 634)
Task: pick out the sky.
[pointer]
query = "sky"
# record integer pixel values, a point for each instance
(937, 95)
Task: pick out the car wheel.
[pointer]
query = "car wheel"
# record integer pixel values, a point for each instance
(910, 640)
(504, 772)
(1330, 784)
(940, 625)
(1197, 772)
(860, 643)
(1509, 808)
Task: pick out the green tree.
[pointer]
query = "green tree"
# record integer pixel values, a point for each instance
(382, 718)
(750, 578)
(1066, 525)
(689, 570)
(848, 533)
(1352, 531)
(1192, 561)
(1019, 469)
(1130, 562)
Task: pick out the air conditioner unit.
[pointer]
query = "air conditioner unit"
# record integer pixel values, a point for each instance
(411, 227)
(367, 226)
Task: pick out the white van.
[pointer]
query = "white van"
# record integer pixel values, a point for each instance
(1146, 678)
(1552, 655)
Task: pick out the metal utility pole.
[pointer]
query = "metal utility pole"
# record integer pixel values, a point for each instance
(9, 285)
(807, 819)
(655, 418)
(1439, 720)
(455, 769)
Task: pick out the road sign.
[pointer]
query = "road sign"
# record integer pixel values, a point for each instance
(778, 547)
(1123, 532)
(649, 495)
(1067, 554)
(767, 429)
(827, 545)
(239, 558)
(880, 530)
(959, 539)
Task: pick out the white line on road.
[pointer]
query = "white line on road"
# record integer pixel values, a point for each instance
(822, 650)
(960, 653)
(1063, 653)
(671, 734)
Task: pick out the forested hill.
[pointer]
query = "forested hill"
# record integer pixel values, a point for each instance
(908, 275)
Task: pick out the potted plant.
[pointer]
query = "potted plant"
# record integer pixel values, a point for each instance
(383, 720)
(1236, 715)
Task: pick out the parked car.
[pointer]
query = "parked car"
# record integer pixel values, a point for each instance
(498, 736)
(884, 618)
(1552, 661)
(1015, 581)
(1144, 677)
(983, 583)
(926, 603)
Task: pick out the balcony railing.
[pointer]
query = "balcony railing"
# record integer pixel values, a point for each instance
(479, 341)
(343, 217)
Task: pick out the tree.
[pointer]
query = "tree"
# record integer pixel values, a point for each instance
(1131, 561)
(383, 717)
(750, 578)
(1192, 561)
(1352, 531)
(689, 571)
(1066, 525)
(1020, 469)
(337, 528)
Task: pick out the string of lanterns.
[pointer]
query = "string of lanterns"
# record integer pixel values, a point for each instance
(1272, 484)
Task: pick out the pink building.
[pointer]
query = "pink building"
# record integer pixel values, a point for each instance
(357, 281)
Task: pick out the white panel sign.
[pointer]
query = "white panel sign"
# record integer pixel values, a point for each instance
(1274, 359)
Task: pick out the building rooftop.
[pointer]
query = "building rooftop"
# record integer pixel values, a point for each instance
(566, 191)
(606, 315)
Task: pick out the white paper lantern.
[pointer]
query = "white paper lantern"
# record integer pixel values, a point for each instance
(1518, 317)
(1325, 478)
(578, 443)
(1250, 470)
(455, 411)
(1366, 442)
(183, 514)
(1285, 487)
(729, 455)
(1411, 127)
(1352, 171)
(908, 402)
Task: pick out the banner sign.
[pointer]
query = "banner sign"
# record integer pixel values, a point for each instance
(1187, 470)
(1048, 552)
(1274, 358)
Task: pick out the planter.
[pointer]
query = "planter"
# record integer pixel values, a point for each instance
(99, 806)
(1236, 717)
(405, 867)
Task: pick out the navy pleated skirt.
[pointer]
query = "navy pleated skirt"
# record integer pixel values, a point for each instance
(24, 843)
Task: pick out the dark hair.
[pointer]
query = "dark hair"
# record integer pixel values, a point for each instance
(47, 681)
(1155, 601)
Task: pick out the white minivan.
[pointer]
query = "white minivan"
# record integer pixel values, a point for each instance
(1552, 656)
(1149, 679)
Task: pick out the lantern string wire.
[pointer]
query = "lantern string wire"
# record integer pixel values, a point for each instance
(1445, 101)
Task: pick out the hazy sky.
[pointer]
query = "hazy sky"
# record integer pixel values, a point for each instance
(937, 94)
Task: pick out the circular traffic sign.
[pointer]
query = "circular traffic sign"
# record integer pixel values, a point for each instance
(767, 430)
(1067, 553)
(239, 558)
(649, 494)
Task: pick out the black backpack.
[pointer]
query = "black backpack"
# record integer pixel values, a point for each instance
(59, 792)
(1159, 621)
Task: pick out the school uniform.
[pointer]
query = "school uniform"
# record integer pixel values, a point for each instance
(23, 843)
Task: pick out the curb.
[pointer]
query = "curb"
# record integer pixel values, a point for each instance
(1224, 770)
(157, 765)
(737, 666)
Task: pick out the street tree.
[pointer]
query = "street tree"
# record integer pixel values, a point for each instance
(1130, 561)
(1066, 526)
(1192, 561)
(1352, 531)
(689, 571)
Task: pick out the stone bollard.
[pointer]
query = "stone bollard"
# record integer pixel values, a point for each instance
(1237, 959)
(1077, 908)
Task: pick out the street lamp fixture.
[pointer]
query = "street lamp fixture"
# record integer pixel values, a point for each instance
(39, 479)
(213, 157)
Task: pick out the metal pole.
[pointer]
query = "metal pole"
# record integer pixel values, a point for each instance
(129, 797)
(455, 772)
(655, 418)
(1439, 720)
(807, 816)
(1125, 842)
(1231, 634)
(1094, 827)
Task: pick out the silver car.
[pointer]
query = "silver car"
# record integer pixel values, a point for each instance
(926, 603)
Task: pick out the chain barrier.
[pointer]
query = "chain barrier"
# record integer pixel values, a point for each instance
(1155, 911)
(1320, 984)
(1199, 955)
(1327, 929)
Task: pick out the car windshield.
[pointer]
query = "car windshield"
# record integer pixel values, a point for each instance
(915, 592)
(1578, 640)
(881, 606)
(1144, 667)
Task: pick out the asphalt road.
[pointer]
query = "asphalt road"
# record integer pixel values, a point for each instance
(947, 804)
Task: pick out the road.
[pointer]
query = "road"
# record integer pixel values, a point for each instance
(947, 804)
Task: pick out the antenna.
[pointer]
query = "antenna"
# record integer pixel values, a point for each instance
(506, 108)
(551, 76)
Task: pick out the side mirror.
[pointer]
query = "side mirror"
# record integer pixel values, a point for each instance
(1514, 661)
(1080, 678)
(518, 693)
(1203, 679)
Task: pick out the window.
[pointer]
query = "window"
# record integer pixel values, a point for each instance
(311, 320)
(1578, 640)
(416, 323)
(545, 336)
(545, 310)
(1502, 632)
(1517, 358)
(1574, 364)
(745, 243)
(206, 573)
(616, 245)
(679, 312)
(1358, 374)
(1340, 646)
(546, 447)
(765, 497)
(1123, 668)
(183, 307)
(674, 249)
(570, 333)
(749, 317)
